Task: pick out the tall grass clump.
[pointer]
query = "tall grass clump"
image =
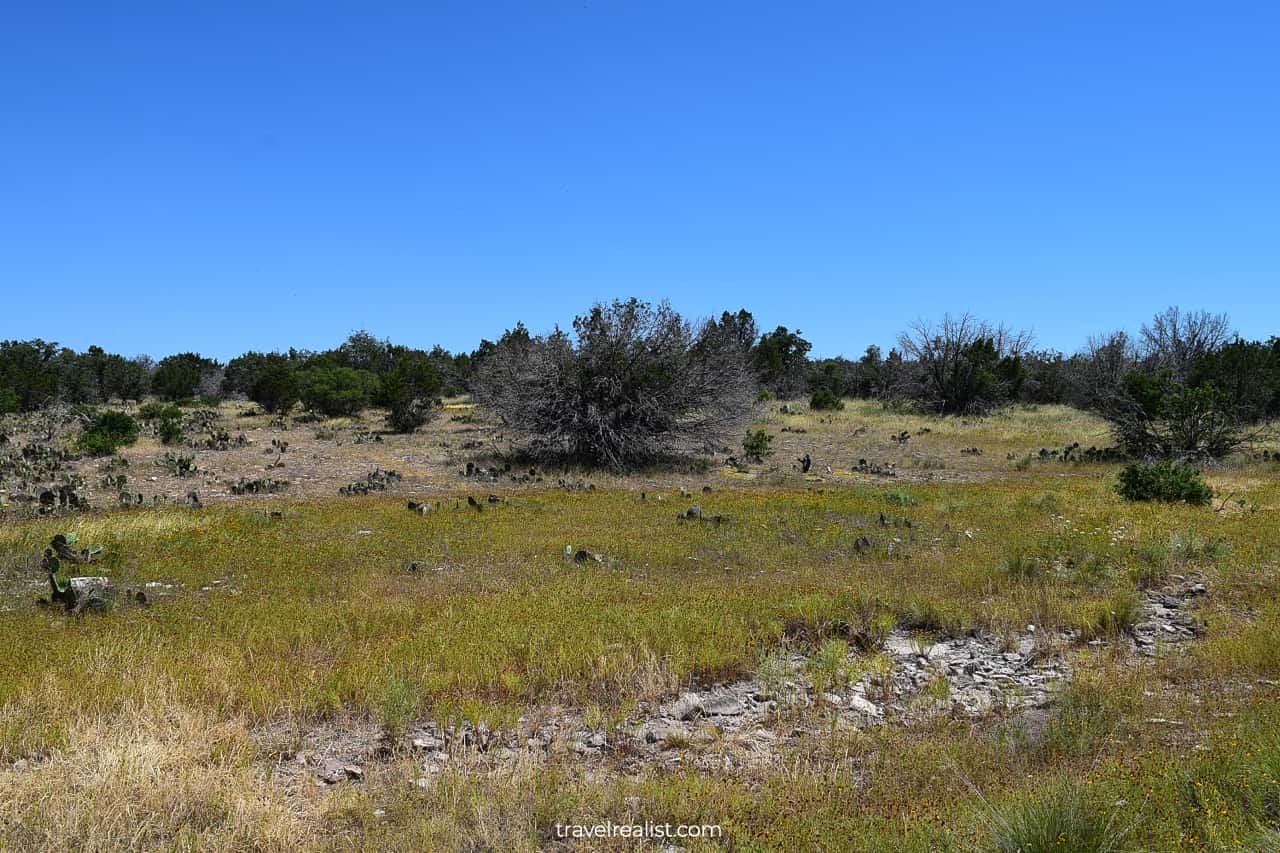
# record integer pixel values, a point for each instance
(1115, 616)
(1062, 819)
(397, 706)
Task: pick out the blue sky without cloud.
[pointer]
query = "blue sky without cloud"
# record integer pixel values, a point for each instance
(231, 176)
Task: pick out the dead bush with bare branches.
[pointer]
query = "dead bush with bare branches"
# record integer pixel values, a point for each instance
(635, 384)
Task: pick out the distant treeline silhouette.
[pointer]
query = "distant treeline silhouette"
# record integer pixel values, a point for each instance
(1186, 385)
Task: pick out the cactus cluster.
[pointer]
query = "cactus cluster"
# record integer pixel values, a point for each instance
(217, 438)
(694, 513)
(179, 464)
(114, 482)
(75, 594)
(259, 486)
(62, 498)
(376, 480)
(278, 447)
(876, 469)
(1072, 453)
(136, 499)
(33, 463)
(38, 479)
(496, 472)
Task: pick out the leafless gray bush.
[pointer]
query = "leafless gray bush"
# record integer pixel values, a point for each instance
(635, 384)
(963, 364)
(1175, 340)
(1143, 390)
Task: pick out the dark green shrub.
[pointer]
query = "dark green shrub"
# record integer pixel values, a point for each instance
(1155, 414)
(178, 377)
(1170, 482)
(337, 391)
(241, 371)
(757, 445)
(123, 378)
(107, 432)
(156, 411)
(29, 372)
(8, 401)
(211, 400)
(780, 359)
(824, 400)
(275, 387)
(410, 391)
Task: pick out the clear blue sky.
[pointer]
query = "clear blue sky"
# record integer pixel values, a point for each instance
(225, 176)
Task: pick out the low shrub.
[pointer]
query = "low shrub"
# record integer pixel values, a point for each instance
(825, 400)
(275, 387)
(633, 386)
(337, 391)
(410, 391)
(155, 411)
(757, 445)
(107, 432)
(405, 416)
(1169, 482)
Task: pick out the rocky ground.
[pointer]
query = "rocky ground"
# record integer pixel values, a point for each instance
(752, 722)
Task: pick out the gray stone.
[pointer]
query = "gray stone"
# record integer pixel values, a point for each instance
(687, 707)
(331, 771)
(723, 705)
(90, 585)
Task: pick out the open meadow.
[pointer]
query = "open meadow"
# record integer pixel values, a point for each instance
(945, 634)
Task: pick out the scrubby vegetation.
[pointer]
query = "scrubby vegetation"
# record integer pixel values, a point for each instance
(915, 602)
(1184, 388)
(635, 385)
(252, 644)
(107, 431)
(1163, 481)
(824, 400)
(337, 391)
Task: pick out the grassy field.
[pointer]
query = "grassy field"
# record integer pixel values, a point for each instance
(164, 727)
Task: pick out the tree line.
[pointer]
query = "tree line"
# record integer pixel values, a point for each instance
(635, 381)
